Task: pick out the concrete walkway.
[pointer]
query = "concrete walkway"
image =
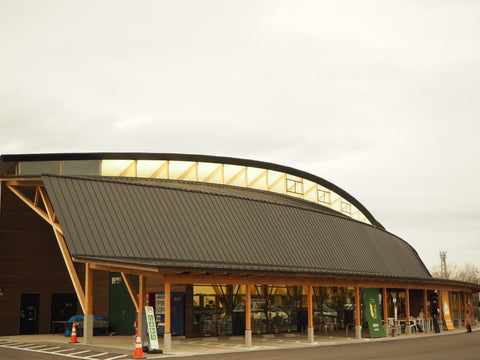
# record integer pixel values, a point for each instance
(215, 345)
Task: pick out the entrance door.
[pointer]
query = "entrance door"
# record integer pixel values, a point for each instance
(29, 305)
(63, 307)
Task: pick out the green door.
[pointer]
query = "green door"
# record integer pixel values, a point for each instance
(122, 311)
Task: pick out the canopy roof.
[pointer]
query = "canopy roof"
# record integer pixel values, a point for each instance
(181, 224)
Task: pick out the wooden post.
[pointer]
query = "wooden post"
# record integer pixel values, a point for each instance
(425, 305)
(248, 318)
(440, 308)
(385, 307)
(142, 299)
(167, 336)
(358, 308)
(88, 315)
(470, 297)
(407, 303)
(459, 310)
(310, 314)
(408, 329)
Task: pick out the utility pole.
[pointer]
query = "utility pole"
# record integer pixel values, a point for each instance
(443, 266)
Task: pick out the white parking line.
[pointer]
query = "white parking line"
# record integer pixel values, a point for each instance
(43, 348)
(20, 345)
(51, 348)
(63, 350)
(37, 346)
(92, 356)
(115, 357)
(80, 352)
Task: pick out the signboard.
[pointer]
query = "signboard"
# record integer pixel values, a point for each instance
(374, 313)
(152, 328)
(447, 316)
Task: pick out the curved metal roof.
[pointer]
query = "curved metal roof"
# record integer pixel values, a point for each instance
(184, 225)
(5, 159)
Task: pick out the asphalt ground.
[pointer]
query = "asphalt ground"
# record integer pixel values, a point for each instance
(283, 346)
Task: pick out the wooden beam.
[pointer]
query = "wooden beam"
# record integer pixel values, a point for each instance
(64, 251)
(281, 178)
(27, 181)
(119, 267)
(258, 178)
(131, 291)
(187, 172)
(38, 210)
(157, 172)
(213, 174)
(125, 270)
(37, 197)
(235, 177)
(129, 168)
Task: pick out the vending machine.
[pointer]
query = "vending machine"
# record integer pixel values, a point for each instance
(177, 313)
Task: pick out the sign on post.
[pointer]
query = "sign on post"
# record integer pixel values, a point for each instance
(152, 328)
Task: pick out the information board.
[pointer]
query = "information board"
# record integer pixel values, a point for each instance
(152, 328)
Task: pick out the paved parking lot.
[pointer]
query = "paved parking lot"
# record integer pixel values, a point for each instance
(121, 347)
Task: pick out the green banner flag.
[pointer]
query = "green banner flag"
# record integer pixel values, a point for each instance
(373, 311)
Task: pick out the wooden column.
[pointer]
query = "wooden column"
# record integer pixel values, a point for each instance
(310, 314)
(440, 307)
(88, 289)
(407, 304)
(358, 307)
(142, 299)
(248, 315)
(459, 310)
(88, 315)
(167, 337)
(425, 305)
(470, 308)
(408, 329)
(385, 306)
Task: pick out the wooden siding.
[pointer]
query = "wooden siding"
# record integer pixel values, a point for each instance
(30, 262)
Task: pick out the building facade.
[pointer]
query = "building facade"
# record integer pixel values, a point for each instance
(218, 246)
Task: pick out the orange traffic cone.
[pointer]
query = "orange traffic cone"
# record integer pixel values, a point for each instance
(73, 337)
(138, 348)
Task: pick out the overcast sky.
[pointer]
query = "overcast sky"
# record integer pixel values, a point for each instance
(381, 98)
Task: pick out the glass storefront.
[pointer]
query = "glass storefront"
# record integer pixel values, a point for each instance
(220, 309)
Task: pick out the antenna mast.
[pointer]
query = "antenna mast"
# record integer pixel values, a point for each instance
(443, 266)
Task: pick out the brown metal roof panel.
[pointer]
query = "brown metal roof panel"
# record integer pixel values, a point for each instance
(122, 219)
